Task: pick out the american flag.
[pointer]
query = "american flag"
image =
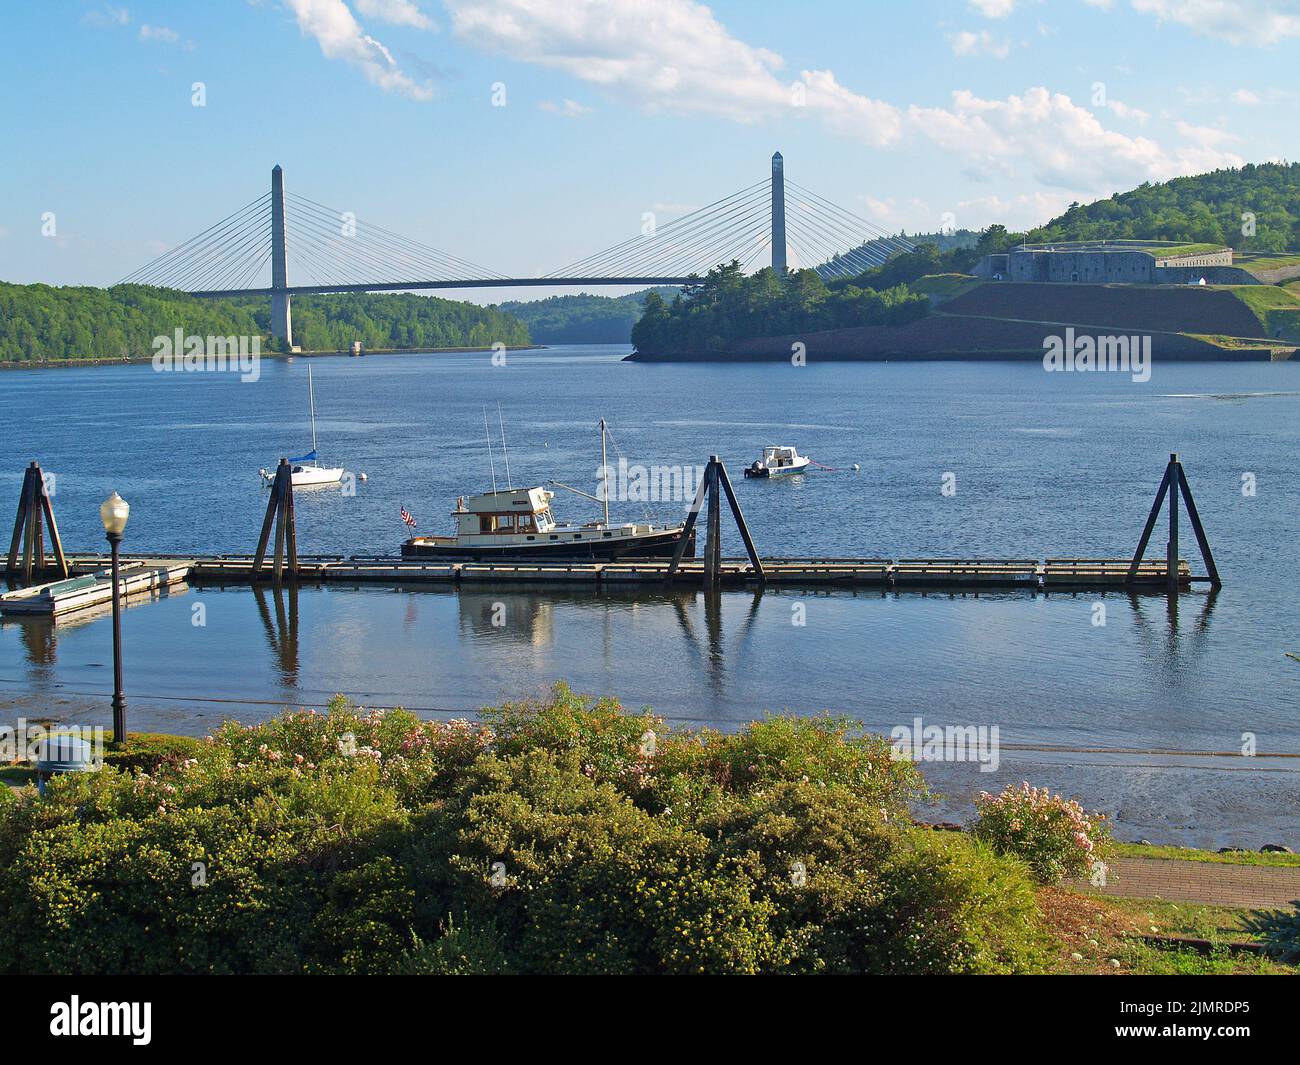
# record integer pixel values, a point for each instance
(408, 517)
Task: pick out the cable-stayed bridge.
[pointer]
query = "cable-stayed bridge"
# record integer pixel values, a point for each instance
(251, 251)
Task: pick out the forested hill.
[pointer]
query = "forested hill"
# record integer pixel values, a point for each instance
(1207, 208)
(583, 319)
(726, 305)
(42, 322)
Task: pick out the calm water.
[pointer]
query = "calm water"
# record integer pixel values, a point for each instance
(1044, 465)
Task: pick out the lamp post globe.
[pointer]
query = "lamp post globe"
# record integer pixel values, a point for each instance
(113, 512)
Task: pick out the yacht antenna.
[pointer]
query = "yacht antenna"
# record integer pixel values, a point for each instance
(604, 473)
(487, 434)
(311, 402)
(505, 454)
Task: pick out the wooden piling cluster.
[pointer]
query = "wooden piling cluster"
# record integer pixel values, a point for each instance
(34, 512)
(1174, 482)
(279, 509)
(715, 477)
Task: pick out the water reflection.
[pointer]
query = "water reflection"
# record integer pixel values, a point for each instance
(1170, 637)
(282, 633)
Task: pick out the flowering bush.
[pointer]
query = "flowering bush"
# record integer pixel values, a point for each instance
(1054, 836)
(559, 835)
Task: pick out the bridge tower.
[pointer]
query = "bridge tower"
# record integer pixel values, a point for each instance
(778, 214)
(281, 313)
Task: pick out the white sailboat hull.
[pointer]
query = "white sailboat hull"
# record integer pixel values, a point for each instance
(303, 476)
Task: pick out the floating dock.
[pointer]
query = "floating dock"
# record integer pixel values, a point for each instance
(84, 581)
(92, 586)
(148, 572)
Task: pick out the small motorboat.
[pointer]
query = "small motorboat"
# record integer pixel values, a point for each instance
(306, 469)
(778, 461)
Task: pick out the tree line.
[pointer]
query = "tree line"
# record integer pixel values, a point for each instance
(39, 322)
(725, 305)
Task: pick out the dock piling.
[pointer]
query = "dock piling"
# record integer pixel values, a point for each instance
(279, 509)
(1173, 484)
(35, 511)
(714, 481)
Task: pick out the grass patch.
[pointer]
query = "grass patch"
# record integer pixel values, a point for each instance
(1104, 931)
(943, 287)
(1190, 854)
(1178, 250)
(1277, 308)
(1267, 261)
(17, 775)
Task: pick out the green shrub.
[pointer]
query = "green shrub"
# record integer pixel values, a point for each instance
(458, 951)
(1053, 836)
(1279, 931)
(147, 750)
(566, 836)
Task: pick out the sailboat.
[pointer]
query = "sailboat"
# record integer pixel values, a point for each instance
(306, 469)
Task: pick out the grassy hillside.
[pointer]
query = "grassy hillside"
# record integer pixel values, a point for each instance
(1278, 309)
(1212, 310)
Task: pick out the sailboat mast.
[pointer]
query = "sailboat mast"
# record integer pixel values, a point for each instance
(311, 402)
(604, 472)
(487, 433)
(504, 453)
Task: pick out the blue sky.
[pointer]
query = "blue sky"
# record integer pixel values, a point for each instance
(979, 110)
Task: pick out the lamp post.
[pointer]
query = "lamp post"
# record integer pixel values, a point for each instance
(113, 512)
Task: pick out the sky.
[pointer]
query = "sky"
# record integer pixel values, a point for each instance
(525, 134)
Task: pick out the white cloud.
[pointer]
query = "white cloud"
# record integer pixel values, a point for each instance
(1205, 136)
(567, 108)
(850, 115)
(672, 55)
(106, 16)
(1061, 144)
(339, 35)
(1246, 98)
(159, 33)
(675, 56)
(1123, 110)
(1258, 22)
(396, 12)
(994, 8)
(983, 43)
(1016, 213)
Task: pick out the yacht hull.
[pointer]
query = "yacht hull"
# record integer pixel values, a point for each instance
(653, 545)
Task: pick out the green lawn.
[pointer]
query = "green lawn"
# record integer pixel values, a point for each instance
(1277, 308)
(1108, 935)
(1267, 260)
(943, 287)
(1183, 249)
(1189, 854)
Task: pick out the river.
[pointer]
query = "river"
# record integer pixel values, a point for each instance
(1034, 464)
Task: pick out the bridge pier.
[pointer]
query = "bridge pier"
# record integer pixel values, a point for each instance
(281, 311)
(778, 214)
